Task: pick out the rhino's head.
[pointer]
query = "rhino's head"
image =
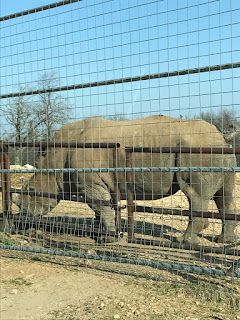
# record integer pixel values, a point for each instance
(34, 205)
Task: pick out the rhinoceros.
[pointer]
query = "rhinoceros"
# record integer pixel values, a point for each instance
(153, 131)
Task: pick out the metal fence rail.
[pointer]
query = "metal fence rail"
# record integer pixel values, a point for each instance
(126, 169)
(38, 9)
(158, 265)
(125, 80)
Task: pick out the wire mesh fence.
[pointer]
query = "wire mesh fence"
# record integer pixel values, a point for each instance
(120, 133)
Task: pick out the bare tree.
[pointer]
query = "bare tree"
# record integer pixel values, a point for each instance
(36, 119)
(19, 114)
(52, 108)
(224, 120)
(117, 117)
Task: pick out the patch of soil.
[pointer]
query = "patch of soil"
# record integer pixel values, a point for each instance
(63, 290)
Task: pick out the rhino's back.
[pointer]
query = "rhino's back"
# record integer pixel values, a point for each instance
(155, 130)
(152, 131)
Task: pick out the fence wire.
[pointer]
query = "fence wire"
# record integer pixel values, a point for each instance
(130, 75)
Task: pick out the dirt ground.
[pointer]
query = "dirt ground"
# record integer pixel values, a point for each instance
(39, 287)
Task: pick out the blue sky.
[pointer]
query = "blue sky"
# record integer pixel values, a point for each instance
(109, 39)
(13, 6)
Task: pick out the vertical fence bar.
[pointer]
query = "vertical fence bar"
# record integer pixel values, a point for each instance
(2, 223)
(5, 177)
(117, 194)
(7, 180)
(130, 203)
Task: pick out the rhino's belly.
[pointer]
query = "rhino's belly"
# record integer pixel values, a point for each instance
(151, 186)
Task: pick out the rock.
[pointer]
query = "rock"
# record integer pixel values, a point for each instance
(102, 305)
(28, 166)
(24, 242)
(91, 252)
(117, 316)
(39, 233)
(16, 166)
(136, 312)
(88, 262)
(14, 291)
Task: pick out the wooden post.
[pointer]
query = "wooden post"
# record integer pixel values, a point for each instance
(117, 195)
(130, 203)
(7, 180)
(5, 177)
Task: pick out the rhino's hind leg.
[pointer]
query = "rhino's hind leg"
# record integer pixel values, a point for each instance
(226, 204)
(195, 226)
(198, 198)
(228, 234)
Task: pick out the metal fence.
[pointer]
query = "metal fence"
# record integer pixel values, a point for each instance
(107, 101)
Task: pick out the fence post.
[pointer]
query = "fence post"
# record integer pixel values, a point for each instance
(117, 195)
(130, 203)
(5, 181)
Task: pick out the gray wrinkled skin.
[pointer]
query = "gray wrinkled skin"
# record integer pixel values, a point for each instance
(199, 187)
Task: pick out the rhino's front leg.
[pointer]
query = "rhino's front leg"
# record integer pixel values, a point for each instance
(99, 199)
(105, 215)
